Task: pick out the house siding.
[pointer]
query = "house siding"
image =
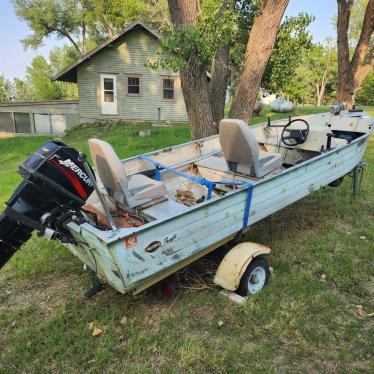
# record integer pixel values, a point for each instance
(129, 55)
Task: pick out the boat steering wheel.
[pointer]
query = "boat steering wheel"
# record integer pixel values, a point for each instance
(292, 137)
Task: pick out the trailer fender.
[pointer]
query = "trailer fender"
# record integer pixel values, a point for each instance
(236, 261)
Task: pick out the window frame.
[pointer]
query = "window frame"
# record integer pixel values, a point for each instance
(169, 77)
(140, 77)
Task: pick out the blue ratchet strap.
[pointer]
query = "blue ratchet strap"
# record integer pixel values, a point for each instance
(204, 182)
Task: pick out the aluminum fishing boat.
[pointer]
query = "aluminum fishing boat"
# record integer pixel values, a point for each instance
(147, 216)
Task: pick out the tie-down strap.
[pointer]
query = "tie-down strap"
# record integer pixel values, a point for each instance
(204, 182)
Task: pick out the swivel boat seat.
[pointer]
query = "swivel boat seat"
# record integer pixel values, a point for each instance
(129, 191)
(241, 150)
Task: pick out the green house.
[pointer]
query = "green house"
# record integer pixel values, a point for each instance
(115, 83)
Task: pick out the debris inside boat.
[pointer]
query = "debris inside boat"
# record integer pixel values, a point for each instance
(138, 220)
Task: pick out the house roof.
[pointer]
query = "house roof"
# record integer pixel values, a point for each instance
(69, 74)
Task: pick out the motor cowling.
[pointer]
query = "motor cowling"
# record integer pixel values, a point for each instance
(54, 188)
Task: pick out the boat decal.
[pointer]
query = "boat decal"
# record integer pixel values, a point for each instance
(131, 241)
(153, 246)
(170, 239)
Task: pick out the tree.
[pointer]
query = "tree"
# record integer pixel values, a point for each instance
(210, 38)
(38, 75)
(52, 17)
(260, 44)
(105, 18)
(321, 86)
(193, 62)
(220, 72)
(352, 71)
(6, 89)
(23, 91)
(38, 84)
(85, 21)
(315, 78)
(61, 57)
(291, 44)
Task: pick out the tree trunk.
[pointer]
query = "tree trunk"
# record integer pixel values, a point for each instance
(345, 86)
(317, 93)
(184, 12)
(84, 39)
(259, 48)
(321, 93)
(107, 26)
(325, 77)
(352, 73)
(362, 71)
(220, 77)
(219, 82)
(194, 80)
(361, 64)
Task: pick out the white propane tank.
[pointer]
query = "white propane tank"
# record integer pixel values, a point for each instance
(281, 105)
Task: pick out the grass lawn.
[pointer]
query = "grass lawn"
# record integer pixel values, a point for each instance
(312, 316)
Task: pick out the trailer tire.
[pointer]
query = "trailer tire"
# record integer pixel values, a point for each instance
(254, 278)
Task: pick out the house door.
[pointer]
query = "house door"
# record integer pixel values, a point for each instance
(108, 94)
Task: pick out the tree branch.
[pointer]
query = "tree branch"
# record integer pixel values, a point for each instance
(76, 46)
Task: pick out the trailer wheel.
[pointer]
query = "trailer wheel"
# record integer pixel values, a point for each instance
(254, 278)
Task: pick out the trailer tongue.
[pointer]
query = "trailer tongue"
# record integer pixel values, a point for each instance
(54, 188)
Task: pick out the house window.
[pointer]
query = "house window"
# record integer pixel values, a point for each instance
(168, 88)
(108, 90)
(133, 85)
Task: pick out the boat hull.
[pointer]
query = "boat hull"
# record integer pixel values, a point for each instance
(132, 259)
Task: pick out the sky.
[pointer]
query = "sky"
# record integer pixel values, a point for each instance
(14, 58)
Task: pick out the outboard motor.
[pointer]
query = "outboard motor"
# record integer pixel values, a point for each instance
(54, 188)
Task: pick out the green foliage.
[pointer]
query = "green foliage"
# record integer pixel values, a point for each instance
(292, 41)
(211, 32)
(303, 85)
(6, 89)
(23, 90)
(38, 84)
(366, 93)
(61, 57)
(107, 17)
(47, 17)
(82, 20)
(246, 11)
(39, 77)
